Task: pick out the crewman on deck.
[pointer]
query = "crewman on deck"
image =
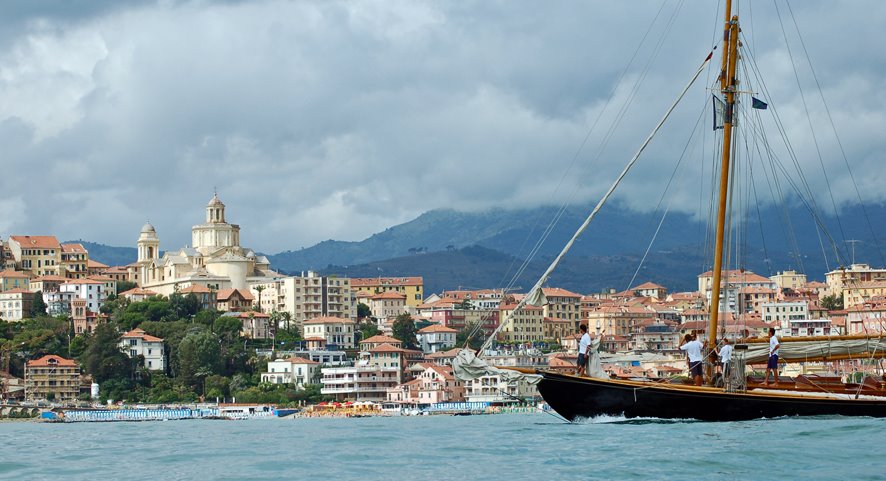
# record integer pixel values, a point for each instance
(693, 349)
(772, 365)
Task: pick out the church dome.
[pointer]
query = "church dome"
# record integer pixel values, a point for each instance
(148, 229)
(214, 201)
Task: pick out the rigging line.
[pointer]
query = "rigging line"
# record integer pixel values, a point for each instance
(661, 199)
(809, 120)
(600, 204)
(810, 204)
(836, 136)
(549, 229)
(787, 226)
(635, 89)
(760, 223)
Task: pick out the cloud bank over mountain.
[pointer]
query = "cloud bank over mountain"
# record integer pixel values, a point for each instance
(335, 120)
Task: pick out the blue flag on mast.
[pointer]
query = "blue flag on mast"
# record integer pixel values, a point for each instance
(758, 104)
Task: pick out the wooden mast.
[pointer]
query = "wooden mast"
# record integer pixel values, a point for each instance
(728, 88)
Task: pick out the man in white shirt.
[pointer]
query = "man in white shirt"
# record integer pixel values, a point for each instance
(584, 348)
(725, 354)
(693, 349)
(772, 365)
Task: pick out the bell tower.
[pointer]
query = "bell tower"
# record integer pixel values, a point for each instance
(148, 249)
(215, 211)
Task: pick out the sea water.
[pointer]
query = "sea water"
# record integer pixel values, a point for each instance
(498, 447)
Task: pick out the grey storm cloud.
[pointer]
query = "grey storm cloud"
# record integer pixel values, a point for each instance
(335, 120)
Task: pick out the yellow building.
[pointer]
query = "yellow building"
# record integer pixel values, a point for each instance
(789, 280)
(411, 287)
(10, 279)
(524, 325)
(74, 261)
(40, 255)
(53, 378)
(562, 304)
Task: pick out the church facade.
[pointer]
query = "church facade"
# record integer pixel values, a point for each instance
(215, 261)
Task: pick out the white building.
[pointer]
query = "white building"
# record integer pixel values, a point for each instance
(435, 338)
(497, 389)
(337, 331)
(359, 383)
(215, 261)
(780, 314)
(306, 297)
(387, 305)
(138, 343)
(294, 370)
(93, 292)
(15, 304)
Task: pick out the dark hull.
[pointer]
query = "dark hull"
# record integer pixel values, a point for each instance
(573, 397)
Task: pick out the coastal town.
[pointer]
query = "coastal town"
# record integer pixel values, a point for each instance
(213, 323)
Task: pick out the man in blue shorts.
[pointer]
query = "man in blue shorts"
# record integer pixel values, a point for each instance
(772, 365)
(693, 349)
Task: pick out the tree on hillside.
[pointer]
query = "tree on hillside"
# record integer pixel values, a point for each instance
(832, 302)
(38, 307)
(367, 329)
(103, 358)
(199, 355)
(404, 330)
(183, 307)
(363, 311)
(123, 286)
(462, 337)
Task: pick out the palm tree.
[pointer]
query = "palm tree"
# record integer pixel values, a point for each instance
(258, 289)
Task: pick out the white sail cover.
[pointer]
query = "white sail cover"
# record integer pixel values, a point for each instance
(802, 350)
(466, 366)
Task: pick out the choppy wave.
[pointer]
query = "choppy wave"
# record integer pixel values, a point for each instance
(501, 447)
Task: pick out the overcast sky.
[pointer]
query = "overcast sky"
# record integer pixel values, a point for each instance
(335, 120)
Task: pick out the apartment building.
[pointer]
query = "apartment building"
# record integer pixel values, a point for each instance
(411, 287)
(306, 297)
(39, 255)
(52, 378)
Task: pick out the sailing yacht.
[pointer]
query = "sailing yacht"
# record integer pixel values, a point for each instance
(737, 398)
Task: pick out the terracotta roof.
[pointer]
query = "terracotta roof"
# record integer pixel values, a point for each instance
(390, 295)
(300, 360)
(50, 278)
(37, 241)
(225, 294)
(436, 328)
(380, 339)
(17, 290)
(558, 292)
(11, 273)
(74, 248)
(94, 264)
(102, 279)
(647, 285)
(196, 289)
(386, 281)
(328, 320)
(315, 338)
(138, 291)
(252, 314)
(387, 348)
(139, 333)
(444, 354)
(52, 360)
(82, 281)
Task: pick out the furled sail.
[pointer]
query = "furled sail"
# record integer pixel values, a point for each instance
(467, 366)
(819, 350)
